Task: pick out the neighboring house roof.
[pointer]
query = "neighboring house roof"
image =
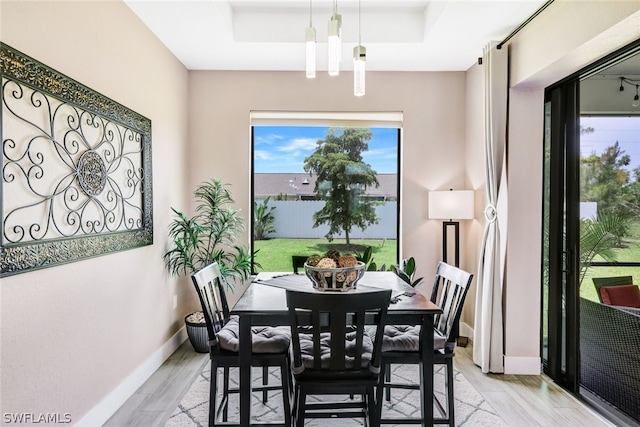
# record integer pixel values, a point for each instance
(303, 184)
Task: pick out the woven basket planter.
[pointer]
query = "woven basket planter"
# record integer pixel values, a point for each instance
(197, 332)
(335, 279)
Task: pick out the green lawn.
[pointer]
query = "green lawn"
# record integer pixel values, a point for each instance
(275, 254)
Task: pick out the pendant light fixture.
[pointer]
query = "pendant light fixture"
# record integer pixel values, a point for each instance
(359, 62)
(334, 41)
(310, 42)
(631, 82)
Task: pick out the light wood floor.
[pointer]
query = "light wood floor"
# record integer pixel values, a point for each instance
(521, 400)
(527, 400)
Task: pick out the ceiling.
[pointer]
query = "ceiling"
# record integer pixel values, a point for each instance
(400, 35)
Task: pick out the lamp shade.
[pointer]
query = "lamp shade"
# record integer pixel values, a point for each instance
(451, 204)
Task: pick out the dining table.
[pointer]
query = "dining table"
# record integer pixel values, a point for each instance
(264, 304)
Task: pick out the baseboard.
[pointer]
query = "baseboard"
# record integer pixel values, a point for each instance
(466, 331)
(100, 413)
(522, 365)
(512, 365)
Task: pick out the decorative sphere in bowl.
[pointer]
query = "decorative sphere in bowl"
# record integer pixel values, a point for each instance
(335, 279)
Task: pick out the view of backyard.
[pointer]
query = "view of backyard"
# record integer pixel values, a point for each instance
(275, 254)
(610, 195)
(317, 188)
(586, 351)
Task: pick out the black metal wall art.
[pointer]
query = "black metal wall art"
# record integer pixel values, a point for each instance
(76, 170)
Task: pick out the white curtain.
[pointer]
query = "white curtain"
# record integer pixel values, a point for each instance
(488, 336)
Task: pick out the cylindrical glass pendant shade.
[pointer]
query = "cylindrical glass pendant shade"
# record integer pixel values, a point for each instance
(334, 44)
(310, 38)
(359, 63)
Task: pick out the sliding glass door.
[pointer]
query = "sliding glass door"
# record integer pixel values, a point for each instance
(560, 237)
(589, 342)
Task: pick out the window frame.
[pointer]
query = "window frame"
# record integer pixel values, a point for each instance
(324, 119)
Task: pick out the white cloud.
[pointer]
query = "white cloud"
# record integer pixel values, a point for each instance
(262, 155)
(268, 139)
(298, 144)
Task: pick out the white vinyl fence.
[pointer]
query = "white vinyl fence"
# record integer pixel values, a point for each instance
(294, 219)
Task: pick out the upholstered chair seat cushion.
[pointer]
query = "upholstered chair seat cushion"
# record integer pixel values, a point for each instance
(405, 338)
(306, 350)
(621, 295)
(265, 339)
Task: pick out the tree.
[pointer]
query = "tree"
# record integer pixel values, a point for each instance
(342, 179)
(604, 180)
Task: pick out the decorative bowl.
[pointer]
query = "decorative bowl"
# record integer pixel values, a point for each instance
(335, 279)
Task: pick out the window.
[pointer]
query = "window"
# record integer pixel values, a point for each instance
(321, 184)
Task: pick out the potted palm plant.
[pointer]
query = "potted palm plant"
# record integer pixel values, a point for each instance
(210, 235)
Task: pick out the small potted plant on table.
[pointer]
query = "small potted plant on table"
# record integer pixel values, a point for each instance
(210, 235)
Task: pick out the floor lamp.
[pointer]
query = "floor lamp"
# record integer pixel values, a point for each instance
(451, 205)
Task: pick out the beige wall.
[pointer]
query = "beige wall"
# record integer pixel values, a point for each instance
(433, 154)
(569, 35)
(72, 334)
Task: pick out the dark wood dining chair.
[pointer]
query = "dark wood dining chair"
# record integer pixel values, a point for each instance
(332, 354)
(400, 343)
(297, 262)
(270, 346)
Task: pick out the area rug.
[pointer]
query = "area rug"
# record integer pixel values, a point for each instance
(471, 408)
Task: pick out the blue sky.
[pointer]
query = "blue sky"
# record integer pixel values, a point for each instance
(609, 129)
(284, 148)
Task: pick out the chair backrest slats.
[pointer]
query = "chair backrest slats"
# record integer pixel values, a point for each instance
(295, 339)
(449, 290)
(360, 324)
(316, 330)
(338, 323)
(212, 298)
(334, 316)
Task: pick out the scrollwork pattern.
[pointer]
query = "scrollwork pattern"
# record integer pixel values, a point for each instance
(76, 170)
